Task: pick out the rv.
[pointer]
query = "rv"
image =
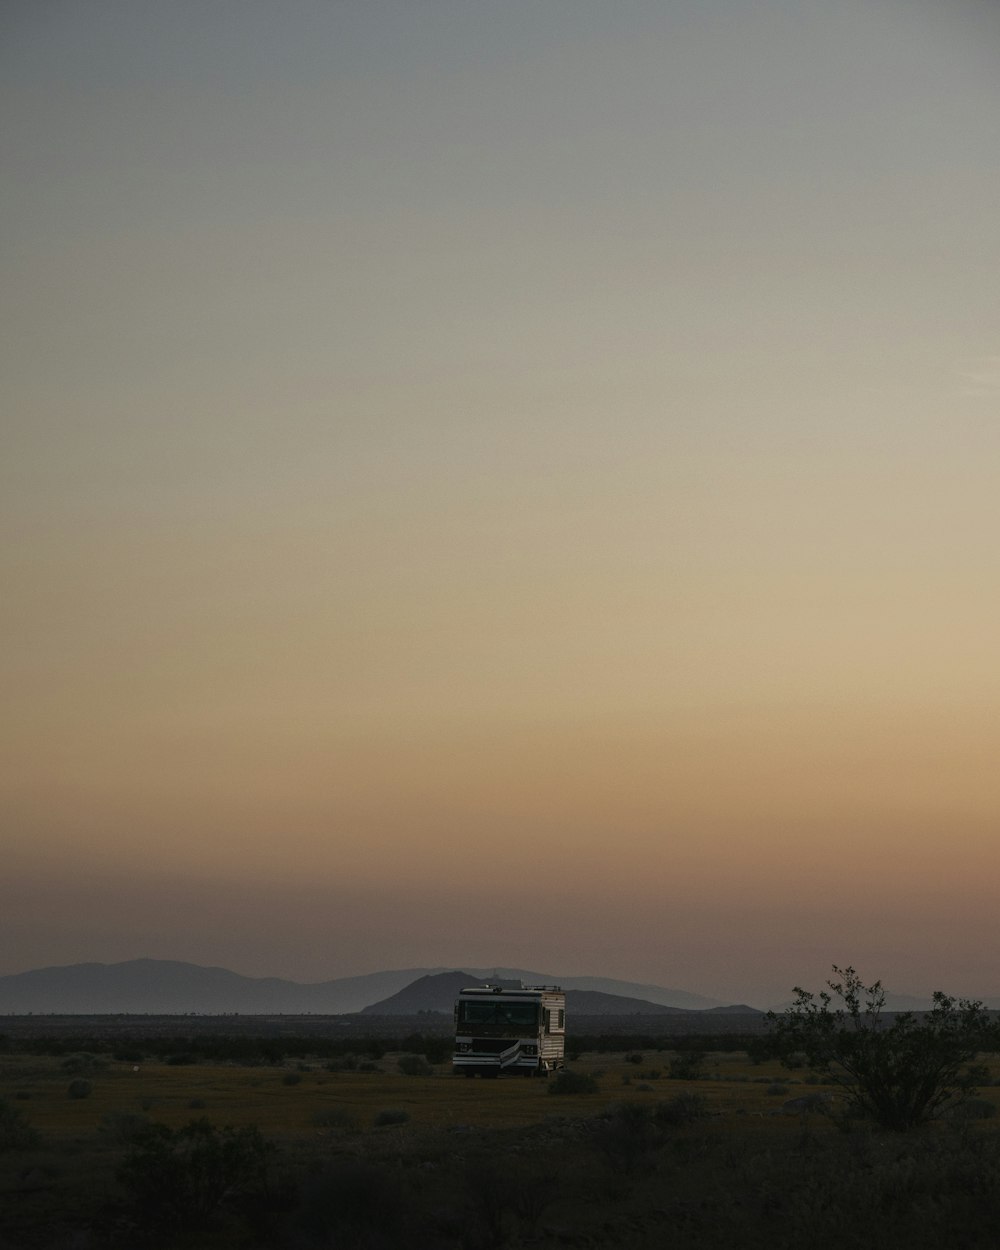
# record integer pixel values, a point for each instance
(510, 1030)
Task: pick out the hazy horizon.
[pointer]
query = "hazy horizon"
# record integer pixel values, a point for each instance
(625, 986)
(519, 480)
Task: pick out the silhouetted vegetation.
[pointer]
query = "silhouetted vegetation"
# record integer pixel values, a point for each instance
(900, 1073)
(15, 1131)
(182, 1179)
(570, 1082)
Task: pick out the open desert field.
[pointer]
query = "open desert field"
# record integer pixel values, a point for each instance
(359, 1153)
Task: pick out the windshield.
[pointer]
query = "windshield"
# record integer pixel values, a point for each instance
(496, 1011)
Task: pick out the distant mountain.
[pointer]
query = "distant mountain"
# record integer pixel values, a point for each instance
(596, 1003)
(604, 985)
(169, 987)
(431, 993)
(438, 994)
(646, 993)
(166, 987)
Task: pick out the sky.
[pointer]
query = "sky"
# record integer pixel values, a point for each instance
(503, 484)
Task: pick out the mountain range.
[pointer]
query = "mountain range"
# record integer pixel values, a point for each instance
(437, 992)
(167, 987)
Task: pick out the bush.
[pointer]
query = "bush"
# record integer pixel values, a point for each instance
(434, 1049)
(342, 1063)
(82, 1064)
(970, 1109)
(292, 1078)
(180, 1179)
(122, 1128)
(414, 1065)
(627, 1136)
(391, 1115)
(79, 1088)
(898, 1075)
(684, 1109)
(333, 1117)
(353, 1204)
(569, 1082)
(687, 1066)
(15, 1132)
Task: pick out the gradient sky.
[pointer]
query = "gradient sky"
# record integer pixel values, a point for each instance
(503, 483)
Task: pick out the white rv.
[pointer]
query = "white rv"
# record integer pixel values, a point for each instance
(510, 1030)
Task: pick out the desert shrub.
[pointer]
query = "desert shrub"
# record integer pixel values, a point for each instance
(970, 1109)
(777, 1089)
(434, 1049)
(82, 1064)
(15, 1131)
(628, 1137)
(353, 1204)
(197, 1104)
(570, 1082)
(122, 1128)
(333, 1117)
(180, 1179)
(682, 1109)
(634, 1056)
(503, 1201)
(391, 1115)
(183, 1058)
(79, 1088)
(342, 1063)
(921, 1192)
(687, 1066)
(292, 1078)
(128, 1056)
(414, 1065)
(897, 1074)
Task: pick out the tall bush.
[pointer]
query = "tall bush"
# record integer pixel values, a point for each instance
(897, 1072)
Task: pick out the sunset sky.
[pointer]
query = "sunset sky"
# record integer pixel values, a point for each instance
(503, 483)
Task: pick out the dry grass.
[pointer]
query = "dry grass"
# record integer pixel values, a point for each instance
(735, 1092)
(684, 1184)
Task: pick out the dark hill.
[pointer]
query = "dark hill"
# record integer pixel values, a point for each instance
(594, 1003)
(438, 994)
(430, 993)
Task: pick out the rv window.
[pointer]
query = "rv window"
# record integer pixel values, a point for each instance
(495, 1011)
